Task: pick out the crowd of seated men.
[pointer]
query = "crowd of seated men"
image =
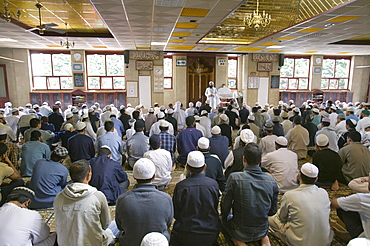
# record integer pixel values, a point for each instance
(238, 158)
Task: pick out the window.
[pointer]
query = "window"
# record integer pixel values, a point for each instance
(105, 71)
(51, 71)
(335, 73)
(167, 73)
(294, 73)
(232, 71)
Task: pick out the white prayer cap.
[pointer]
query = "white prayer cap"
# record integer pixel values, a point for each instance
(129, 105)
(31, 111)
(80, 126)
(151, 110)
(144, 169)
(28, 105)
(84, 116)
(162, 108)
(8, 104)
(160, 115)
(196, 117)
(203, 143)
(203, 112)
(322, 140)
(211, 82)
(251, 117)
(296, 110)
(170, 111)
(224, 117)
(191, 104)
(58, 102)
(164, 123)
(195, 159)
(154, 239)
(281, 141)
(106, 147)
(310, 170)
(45, 103)
(247, 136)
(315, 110)
(67, 126)
(68, 116)
(90, 110)
(360, 241)
(14, 110)
(216, 130)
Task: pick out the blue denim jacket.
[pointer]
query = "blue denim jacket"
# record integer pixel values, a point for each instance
(252, 195)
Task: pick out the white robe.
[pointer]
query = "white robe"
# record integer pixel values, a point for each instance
(212, 97)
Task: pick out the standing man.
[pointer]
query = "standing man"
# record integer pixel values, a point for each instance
(80, 146)
(144, 209)
(81, 211)
(137, 145)
(195, 224)
(298, 138)
(187, 140)
(212, 96)
(283, 165)
(108, 175)
(303, 217)
(249, 198)
(33, 151)
(49, 177)
(113, 141)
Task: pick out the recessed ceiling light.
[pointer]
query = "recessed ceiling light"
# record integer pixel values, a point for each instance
(158, 43)
(275, 47)
(8, 40)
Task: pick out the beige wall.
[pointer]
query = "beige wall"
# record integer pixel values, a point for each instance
(360, 78)
(18, 75)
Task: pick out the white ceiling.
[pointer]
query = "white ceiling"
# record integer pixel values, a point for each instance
(136, 23)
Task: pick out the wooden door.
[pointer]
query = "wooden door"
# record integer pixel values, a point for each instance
(4, 94)
(200, 72)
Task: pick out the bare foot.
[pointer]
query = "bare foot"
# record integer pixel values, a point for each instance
(265, 241)
(342, 235)
(238, 243)
(335, 185)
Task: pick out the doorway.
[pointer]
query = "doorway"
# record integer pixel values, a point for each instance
(4, 95)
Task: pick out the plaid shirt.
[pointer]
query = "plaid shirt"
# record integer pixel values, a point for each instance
(13, 154)
(168, 143)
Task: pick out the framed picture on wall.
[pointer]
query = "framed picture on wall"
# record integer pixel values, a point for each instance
(180, 62)
(275, 81)
(264, 66)
(131, 89)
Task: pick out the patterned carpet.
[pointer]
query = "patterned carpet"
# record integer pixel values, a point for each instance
(48, 214)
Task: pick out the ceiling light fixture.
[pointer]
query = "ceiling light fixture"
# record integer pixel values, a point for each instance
(158, 43)
(8, 15)
(275, 47)
(257, 20)
(66, 43)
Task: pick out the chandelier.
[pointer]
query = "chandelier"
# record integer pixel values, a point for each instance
(257, 19)
(8, 15)
(66, 43)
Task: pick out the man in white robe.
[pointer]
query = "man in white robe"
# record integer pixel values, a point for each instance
(212, 96)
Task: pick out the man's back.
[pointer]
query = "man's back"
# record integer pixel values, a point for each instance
(333, 139)
(163, 165)
(142, 210)
(298, 139)
(219, 146)
(106, 176)
(48, 179)
(168, 142)
(137, 145)
(305, 211)
(253, 196)
(283, 165)
(115, 144)
(80, 146)
(32, 151)
(81, 215)
(187, 141)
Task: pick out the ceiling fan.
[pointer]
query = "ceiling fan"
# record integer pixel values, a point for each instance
(44, 27)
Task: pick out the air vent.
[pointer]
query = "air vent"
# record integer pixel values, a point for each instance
(193, 20)
(169, 3)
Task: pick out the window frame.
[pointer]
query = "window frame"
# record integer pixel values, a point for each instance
(335, 58)
(297, 78)
(47, 77)
(167, 77)
(236, 73)
(105, 53)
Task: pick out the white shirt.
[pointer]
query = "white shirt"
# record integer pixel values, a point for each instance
(206, 123)
(287, 125)
(333, 119)
(361, 124)
(104, 116)
(201, 128)
(283, 166)
(9, 132)
(163, 165)
(155, 128)
(21, 226)
(267, 144)
(89, 131)
(303, 217)
(360, 203)
(12, 121)
(340, 128)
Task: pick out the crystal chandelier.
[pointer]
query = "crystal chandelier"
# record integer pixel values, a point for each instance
(66, 43)
(257, 19)
(7, 14)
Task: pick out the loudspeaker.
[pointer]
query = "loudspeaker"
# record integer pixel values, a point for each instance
(126, 53)
(281, 60)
